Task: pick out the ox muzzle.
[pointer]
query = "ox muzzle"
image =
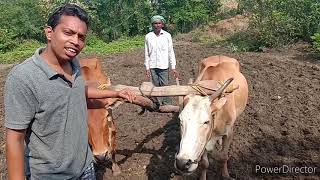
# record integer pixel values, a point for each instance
(185, 166)
(102, 157)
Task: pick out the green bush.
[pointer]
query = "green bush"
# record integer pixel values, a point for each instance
(316, 41)
(20, 20)
(275, 31)
(242, 42)
(188, 14)
(110, 20)
(279, 22)
(113, 19)
(97, 46)
(22, 51)
(7, 40)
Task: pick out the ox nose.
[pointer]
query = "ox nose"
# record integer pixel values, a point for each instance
(183, 164)
(101, 157)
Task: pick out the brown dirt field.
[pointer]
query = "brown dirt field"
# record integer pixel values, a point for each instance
(280, 126)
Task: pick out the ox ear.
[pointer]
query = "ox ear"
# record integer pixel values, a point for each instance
(218, 104)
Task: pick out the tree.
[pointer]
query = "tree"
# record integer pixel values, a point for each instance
(20, 20)
(188, 14)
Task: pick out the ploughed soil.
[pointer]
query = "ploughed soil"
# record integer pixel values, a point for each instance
(279, 128)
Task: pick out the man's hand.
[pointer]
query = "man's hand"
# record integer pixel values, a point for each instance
(148, 73)
(127, 94)
(175, 73)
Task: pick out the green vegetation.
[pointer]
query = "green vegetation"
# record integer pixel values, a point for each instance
(22, 51)
(123, 23)
(119, 26)
(316, 41)
(275, 23)
(19, 21)
(94, 47)
(99, 47)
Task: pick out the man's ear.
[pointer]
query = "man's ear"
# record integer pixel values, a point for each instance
(48, 31)
(218, 104)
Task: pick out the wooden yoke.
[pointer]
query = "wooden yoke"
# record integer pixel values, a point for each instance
(148, 89)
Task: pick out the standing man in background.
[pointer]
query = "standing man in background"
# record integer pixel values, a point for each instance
(158, 55)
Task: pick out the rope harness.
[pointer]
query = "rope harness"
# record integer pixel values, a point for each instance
(199, 88)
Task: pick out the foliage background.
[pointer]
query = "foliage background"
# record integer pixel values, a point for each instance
(273, 23)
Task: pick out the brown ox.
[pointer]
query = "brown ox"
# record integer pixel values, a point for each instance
(101, 127)
(206, 120)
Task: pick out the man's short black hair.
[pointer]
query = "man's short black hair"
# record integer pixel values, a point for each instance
(68, 10)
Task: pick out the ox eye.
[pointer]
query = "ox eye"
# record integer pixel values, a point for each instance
(181, 125)
(207, 122)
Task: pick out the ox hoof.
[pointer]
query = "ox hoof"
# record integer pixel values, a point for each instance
(115, 169)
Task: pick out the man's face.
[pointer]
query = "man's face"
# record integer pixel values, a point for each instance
(67, 39)
(157, 25)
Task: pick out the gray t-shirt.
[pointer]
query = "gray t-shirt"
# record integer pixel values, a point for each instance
(54, 112)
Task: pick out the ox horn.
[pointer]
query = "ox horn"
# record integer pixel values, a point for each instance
(221, 89)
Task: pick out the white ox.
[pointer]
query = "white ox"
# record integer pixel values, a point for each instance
(206, 120)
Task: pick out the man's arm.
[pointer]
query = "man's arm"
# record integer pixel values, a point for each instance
(172, 58)
(20, 106)
(171, 54)
(94, 93)
(15, 153)
(147, 57)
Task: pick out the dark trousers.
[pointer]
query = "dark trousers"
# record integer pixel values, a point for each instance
(88, 174)
(160, 77)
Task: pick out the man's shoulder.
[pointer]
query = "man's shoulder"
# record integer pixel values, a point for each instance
(23, 69)
(149, 34)
(165, 32)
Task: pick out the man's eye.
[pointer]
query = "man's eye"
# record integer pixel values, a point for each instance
(67, 33)
(82, 38)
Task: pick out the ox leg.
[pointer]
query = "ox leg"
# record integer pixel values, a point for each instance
(226, 141)
(205, 165)
(115, 167)
(112, 136)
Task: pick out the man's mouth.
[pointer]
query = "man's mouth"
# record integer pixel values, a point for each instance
(71, 51)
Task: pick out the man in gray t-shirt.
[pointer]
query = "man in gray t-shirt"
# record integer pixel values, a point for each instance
(45, 105)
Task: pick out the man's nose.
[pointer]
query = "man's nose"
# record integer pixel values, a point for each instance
(75, 40)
